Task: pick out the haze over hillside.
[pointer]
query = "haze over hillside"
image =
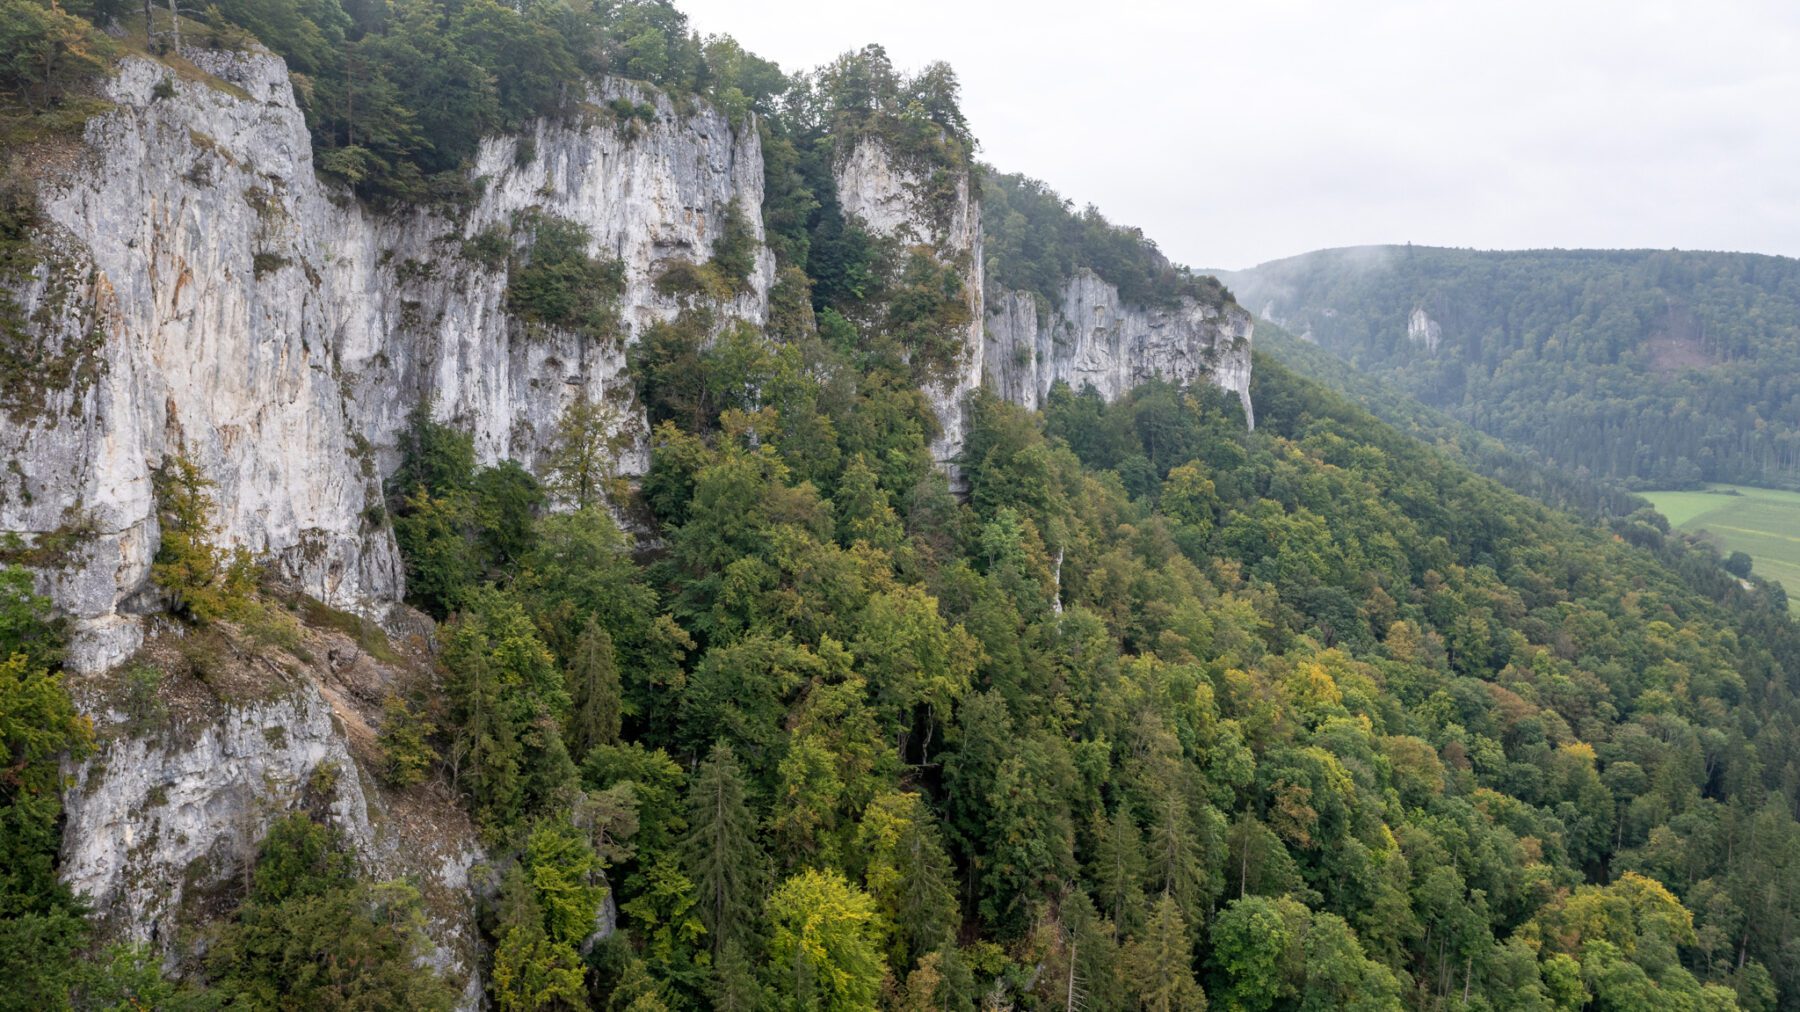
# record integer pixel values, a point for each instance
(529, 506)
(1649, 368)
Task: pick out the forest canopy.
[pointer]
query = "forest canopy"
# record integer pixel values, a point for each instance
(1144, 711)
(1654, 369)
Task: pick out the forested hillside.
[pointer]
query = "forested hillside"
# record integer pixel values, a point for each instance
(1651, 368)
(1523, 470)
(1147, 711)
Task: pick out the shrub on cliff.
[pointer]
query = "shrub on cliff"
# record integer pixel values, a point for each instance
(203, 579)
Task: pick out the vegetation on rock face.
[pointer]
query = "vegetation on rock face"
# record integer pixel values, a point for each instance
(1646, 368)
(556, 282)
(204, 580)
(1036, 242)
(42, 925)
(310, 934)
(1162, 714)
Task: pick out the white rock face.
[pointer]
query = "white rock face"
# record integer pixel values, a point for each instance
(1093, 339)
(1422, 329)
(890, 200)
(649, 195)
(209, 293)
(156, 823)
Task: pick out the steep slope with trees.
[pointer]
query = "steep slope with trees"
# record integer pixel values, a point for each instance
(1155, 711)
(1647, 368)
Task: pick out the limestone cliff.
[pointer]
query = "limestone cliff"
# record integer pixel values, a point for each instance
(894, 201)
(211, 736)
(1422, 329)
(1093, 338)
(208, 292)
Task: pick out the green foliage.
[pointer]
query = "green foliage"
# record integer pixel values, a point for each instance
(299, 857)
(823, 951)
(405, 743)
(558, 283)
(720, 851)
(1646, 368)
(26, 624)
(594, 688)
(1036, 242)
(457, 524)
(531, 970)
(581, 469)
(860, 94)
(49, 54)
(734, 252)
(908, 875)
(203, 579)
(507, 704)
(41, 922)
(1160, 963)
(564, 873)
(126, 978)
(311, 935)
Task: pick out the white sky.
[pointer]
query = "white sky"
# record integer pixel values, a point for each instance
(1235, 133)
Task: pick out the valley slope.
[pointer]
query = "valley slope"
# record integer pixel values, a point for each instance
(1636, 367)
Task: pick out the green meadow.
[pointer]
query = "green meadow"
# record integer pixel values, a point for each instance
(1763, 523)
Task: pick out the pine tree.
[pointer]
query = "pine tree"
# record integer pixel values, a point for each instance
(721, 851)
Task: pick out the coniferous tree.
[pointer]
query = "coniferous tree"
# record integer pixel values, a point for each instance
(720, 850)
(203, 579)
(594, 687)
(1160, 961)
(908, 875)
(1119, 869)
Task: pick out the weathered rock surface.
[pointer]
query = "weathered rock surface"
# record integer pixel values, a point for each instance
(210, 295)
(1092, 338)
(163, 822)
(1422, 329)
(892, 201)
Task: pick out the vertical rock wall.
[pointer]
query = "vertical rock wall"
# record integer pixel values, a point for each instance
(1093, 338)
(208, 294)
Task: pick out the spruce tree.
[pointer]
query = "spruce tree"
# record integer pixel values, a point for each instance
(1160, 961)
(594, 686)
(720, 850)
(1119, 870)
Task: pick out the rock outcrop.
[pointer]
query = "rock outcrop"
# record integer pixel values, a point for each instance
(207, 294)
(1422, 329)
(1093, 338)
(163, 822)
(895, 202)
(204, 293)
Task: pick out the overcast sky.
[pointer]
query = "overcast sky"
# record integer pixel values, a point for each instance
(1240, 132)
